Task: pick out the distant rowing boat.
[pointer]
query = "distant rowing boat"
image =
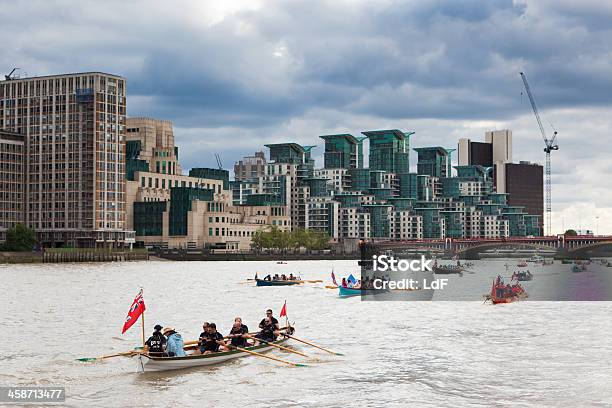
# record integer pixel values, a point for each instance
(261, 282)
(447, 269)
(148, 363)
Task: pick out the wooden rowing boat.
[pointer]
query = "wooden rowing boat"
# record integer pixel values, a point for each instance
(261, 282)
(499, 293)
(148, 363)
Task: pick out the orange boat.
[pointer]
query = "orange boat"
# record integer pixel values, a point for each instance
(506, 293)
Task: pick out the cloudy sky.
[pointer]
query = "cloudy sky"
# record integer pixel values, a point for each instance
(234, 75)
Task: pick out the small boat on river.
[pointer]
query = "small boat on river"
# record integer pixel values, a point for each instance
(522, 276)
(447, 269)
(148, 363)
(347, 292)
(502, 293)
(263, 282)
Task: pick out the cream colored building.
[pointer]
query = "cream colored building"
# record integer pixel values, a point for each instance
(171, 210)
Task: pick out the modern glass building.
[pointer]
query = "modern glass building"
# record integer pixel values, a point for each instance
(389, 150)
(342, 151)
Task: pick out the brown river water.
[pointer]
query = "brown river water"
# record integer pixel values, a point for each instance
(432, 354)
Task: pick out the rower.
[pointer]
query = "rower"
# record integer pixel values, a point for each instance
(175, 344)
(276, 277)
(269, 327)
(344, 284)
(238, 334)
(267, 332)
(156, 344)
(291, 277)
(213, 340)
(267, 278)
(202, 337)
(284, 277)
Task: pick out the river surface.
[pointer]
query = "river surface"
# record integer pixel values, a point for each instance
(432, 354)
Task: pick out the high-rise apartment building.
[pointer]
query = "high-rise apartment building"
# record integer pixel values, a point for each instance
(250, 168)
(342, 151)
(12, 197)
(74, 128)
(432, 161)
(389, 150)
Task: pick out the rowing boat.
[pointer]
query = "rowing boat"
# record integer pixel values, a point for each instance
(346, 292)
(261, 282)
(148, 363)
(499, 293)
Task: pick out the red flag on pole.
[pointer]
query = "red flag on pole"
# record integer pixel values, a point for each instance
(284, 310)
(137, 308)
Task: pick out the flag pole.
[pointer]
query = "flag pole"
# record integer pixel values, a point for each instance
(286, 317)
(143, 326)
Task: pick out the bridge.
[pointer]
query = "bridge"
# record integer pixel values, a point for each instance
(576, 247)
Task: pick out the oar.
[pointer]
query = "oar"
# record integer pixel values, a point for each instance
(269, 357)
(277, 346)
(331, 287)
(312, 345)
(126, 353)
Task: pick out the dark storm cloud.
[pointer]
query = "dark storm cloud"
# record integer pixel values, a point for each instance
(441, 59)
(257, 69)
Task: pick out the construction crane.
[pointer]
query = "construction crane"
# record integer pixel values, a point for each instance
(10, 76)
(219, 164)
(549, 145)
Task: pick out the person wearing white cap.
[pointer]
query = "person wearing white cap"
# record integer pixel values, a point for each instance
(174, 347)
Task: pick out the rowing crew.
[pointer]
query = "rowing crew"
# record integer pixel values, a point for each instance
(281, 277)
(167, 342)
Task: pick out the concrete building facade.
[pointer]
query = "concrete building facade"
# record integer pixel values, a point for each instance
(74, 129)
(12, 178)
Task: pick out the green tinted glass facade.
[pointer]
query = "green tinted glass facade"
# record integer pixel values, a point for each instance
(180, 204)
(148, 217)
(389, 151)
(360, 179)
(379, 220)
(212, 174)
(432, 161)
(264, 199)
(341, 151)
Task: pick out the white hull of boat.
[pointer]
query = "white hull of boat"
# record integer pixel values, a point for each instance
(147, 364)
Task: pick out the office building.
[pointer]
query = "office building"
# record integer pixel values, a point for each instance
(524, 185)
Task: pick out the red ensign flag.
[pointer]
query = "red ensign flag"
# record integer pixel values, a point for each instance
(137, 308)
(284, 310)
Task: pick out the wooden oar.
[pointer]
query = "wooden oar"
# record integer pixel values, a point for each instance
(124, 354)
(269, 357)
(331, 287)
(277, 346)
(312, 345)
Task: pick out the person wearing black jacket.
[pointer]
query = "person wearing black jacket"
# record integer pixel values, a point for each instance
(238, 334)
(156, 344)
(212, 340)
